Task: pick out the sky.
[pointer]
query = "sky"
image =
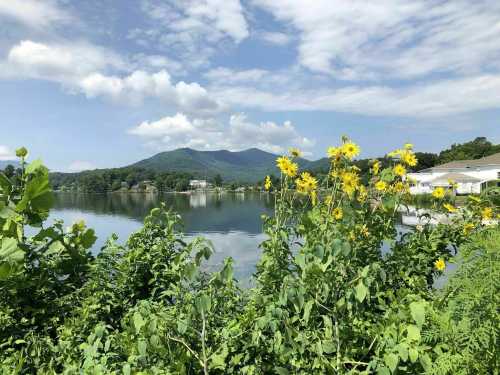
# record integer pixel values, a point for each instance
(104, 83)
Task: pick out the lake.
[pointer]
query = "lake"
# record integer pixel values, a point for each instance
(232, 221)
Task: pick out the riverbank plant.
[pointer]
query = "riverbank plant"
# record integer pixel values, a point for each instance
(338, 289)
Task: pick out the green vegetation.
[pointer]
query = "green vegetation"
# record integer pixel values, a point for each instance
(326, 299)
(476, 149)
(106, 180)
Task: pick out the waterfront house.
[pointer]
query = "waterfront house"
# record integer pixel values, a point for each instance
(464, 176)
(198, 184)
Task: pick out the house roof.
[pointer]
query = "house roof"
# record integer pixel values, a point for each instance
(488, 160)
(456, 177)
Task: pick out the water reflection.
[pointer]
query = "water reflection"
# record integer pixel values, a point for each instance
(231, 221)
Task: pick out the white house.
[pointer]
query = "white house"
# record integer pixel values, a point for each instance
(198, 184)
(469, 176)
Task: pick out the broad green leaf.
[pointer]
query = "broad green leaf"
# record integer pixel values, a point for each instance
(391, 360)
(417, 310)
(382, 370)
(142, 347)
(426, 362)
(218, 359)
(413, 354)
(307, 310)
(138, 321)
(413, 333)
(281, 371)
(361, 291)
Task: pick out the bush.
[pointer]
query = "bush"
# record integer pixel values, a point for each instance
(327, 298)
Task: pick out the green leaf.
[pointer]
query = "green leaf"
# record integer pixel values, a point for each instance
(417, 310)
(413, 333)
(138, 321)
(382, 370)
(413, 354)
(403, 352)
(203, 303)
(281, 371)
(361, 291)
(425, 361)
(11, 257)
(391, 360)
(307, 310)
(142, 347)
(218, 359)
(126, 369)
(34, 166)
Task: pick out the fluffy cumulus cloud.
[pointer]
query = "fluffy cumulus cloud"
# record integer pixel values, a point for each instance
(239, 133)
(34, 13)
(364, 39)
(87, 69)
(6, 153)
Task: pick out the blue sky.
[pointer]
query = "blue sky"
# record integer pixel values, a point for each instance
(87, 84)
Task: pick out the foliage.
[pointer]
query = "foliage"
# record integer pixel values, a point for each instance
(476, 149)
(106, 180)
(337, 290)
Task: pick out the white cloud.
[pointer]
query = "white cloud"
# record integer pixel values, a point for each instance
(192, 30)
(81, 165)
(440, 98)
(82, 68)
(34, 13)
(280, 39)
(359, 40)
(172, 132)
(6, 153)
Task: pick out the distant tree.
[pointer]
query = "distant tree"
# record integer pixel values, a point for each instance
(425, 160)
(9, 171)
(218, 180)
(182, 185)
(476, 149)
(117, 184)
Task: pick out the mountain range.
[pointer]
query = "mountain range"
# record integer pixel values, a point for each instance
(245, 166)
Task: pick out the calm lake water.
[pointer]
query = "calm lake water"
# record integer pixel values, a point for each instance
(232, 221)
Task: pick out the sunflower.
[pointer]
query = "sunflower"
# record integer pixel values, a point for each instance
(337, 213)
(381, 185)
(487, 213)
(268, 183)
(376, 167)
(334, 152)
(350, 150)
(350, 182)
(440, 264)
(439, 193)
(286, 166)
(399, 170)
(449, 207)
(306, 183)
(468, 228)
(408, 158)
(295, 152)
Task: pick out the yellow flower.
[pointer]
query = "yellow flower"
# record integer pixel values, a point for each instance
(350, 182)
(306, 183)
(449, 207)
(350, 149)
(376, 167)
(440, 264)
(286, 166)
(314, 197)
(381, 185)
(268, 183)
(295, 152)
(334, 152)
(439, 193)
(400, 187)
(468, 228)
(363, 194)
(337, 213)
(364, 231)
(487, 213)
(408, 158)
(399, 170)
(408, 146)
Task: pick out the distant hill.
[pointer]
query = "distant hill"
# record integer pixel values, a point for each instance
(4, 163)
(245, 166)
